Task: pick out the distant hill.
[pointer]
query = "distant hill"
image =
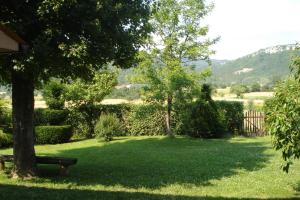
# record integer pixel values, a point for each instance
(263, 66)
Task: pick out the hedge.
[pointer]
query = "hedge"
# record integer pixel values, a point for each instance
(53, 134)
(46, 116)
(146, 120)
(204, 118)
(233, 112)
(201, 119)
(84, 118)
(6, 140)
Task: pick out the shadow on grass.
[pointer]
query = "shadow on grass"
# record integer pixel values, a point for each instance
(12, 192)
(154, 163)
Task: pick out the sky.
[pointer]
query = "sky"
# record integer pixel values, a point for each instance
(246, 26)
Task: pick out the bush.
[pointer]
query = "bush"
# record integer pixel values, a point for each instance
(6, 140)
(53, 134)
(146, 120)
(201, 119)
(53, 93)
(108, 126)
(233, 113)
(85, 117)
(46, 116)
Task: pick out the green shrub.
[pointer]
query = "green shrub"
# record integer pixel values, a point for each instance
(146, 120)
(233, 113)
(6, 140)
(108, 126)
(53, 134)
(46, 116)
(201, 119)
(84, 118)
(53, 93)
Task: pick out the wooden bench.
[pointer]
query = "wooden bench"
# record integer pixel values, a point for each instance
(64, 163)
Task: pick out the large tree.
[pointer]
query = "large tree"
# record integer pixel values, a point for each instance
(67, 39)
(179, 37)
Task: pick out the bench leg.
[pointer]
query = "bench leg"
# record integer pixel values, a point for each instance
(64, 171)
(2, 165)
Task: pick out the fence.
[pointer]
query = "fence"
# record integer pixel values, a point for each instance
(254, 123)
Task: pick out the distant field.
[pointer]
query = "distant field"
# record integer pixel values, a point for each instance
(257, 98)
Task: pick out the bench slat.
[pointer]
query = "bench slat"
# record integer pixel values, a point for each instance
(44, 160)
(55, 160)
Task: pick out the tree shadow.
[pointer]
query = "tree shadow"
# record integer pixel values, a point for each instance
(12, 192)
(154, 163)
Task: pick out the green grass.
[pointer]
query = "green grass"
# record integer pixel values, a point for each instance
(160, 168)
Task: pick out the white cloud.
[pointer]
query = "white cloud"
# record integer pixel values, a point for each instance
(248, 25)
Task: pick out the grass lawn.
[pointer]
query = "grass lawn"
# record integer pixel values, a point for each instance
(161, 168)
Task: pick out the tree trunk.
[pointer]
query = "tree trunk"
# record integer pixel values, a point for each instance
(23, 107)
(168, 116)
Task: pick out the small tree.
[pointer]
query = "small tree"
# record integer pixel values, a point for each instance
(255, 87)
(108, 126)
(239, 90)
(165, 68)
(83, 95)
(283, 116)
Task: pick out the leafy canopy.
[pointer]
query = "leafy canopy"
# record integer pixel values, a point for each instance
(283, 116)
(93, 91)
(72, 38)
(178, 38)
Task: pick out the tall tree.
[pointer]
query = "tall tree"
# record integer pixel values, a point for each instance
(66, 38)
(179, 37)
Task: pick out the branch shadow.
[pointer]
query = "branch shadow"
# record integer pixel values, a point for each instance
(154, 163)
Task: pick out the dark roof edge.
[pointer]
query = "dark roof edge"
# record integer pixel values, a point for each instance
(12, 34)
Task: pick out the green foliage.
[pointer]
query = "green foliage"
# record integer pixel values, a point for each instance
(201, 119)
(255, 87)
(53, 134)
(146, 119)
(73, 38)
(5, 117)
(53, 93)
(179, 36)
(239, 90)
(6, 140)
(233, 114)
(46, 116)
(283, 115)
(3, 107)
(93, 91)
(282, 120)
(78, 117)
(108, 126)
(84, 95)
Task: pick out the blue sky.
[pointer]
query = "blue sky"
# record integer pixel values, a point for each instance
(246, 26)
